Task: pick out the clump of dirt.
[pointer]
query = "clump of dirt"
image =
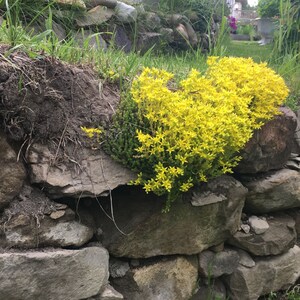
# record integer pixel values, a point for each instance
(30, 202)
(43, 99)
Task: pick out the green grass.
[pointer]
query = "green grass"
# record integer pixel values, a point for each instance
(120, 67)
(249, 49)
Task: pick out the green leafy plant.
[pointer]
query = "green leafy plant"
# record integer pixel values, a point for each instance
(247, 30)
(19, 16)
(287, 37)
(293, 293)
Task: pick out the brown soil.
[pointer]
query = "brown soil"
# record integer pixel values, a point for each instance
(44, 100)
(31, 202)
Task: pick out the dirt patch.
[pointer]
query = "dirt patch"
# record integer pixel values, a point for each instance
(31, 202)
(45, 100)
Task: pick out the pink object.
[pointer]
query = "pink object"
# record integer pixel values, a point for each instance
(232, 23)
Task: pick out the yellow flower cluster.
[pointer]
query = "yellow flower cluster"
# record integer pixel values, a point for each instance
(91, 132)
(194, 133)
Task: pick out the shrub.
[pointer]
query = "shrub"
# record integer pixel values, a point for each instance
(246, 29)
(182, 137)
(268, 8)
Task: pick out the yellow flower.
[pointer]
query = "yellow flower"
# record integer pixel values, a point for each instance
(91, 132)
(193, 134)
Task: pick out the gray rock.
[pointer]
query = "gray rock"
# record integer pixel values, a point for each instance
(214, 290)
(110, 293)
(95, 16)
(184, 230)
(57, 214)
(98, 173)
(175, 19)
(90, 39)
(296, 139)
(171, 279)
(125, 13)
(148, 40)
(167, 35)
(292, 164)
(66, 234)
(214, 265)
(270, 274)
(185, 34)
(72, 3)
(297, 220)
(205, 198)
(151, 21)
(62, 234)
(53, 274)
(181, 37)
(27, 223)
(295, 213)
(217, 248)
(108, 3)
(12, 173)
(121, 40)
(294, 156)
(204, 42)
(118, 268)
(193, 40)
(245, 259)
(280, 237)
(246, 228)
(258, 225)
(278, 191)
(59, 31)
(40, 27)
(270, 147)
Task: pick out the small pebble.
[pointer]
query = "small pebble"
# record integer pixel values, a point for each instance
(246, 228)
(57, 214)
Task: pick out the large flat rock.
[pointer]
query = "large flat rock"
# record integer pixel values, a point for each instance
(94, 173)
(53, 274)
(186, 229)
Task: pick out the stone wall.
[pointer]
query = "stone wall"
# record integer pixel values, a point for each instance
(128, 25)
(72, 229)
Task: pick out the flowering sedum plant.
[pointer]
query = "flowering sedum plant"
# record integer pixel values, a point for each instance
(194, 133)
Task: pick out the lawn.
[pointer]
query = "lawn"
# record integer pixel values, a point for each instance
(249, 49)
